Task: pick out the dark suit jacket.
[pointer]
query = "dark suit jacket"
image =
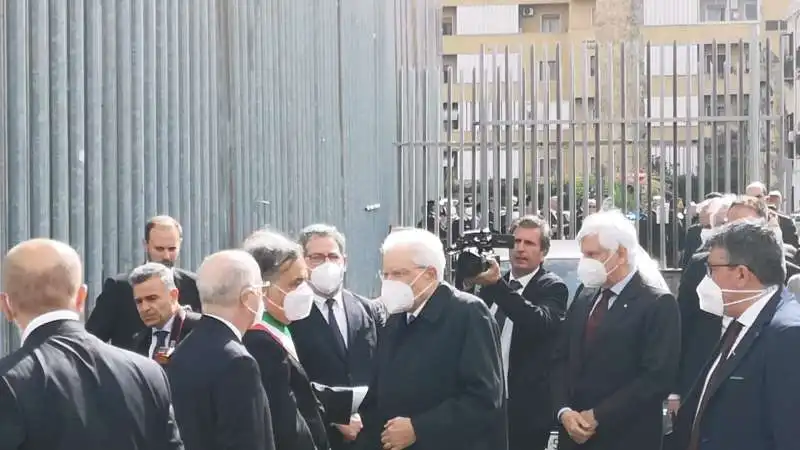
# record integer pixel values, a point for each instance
(114, 317)
(297, 415)
(537, 315)
(66, 390)
(693, 242)
(442, 371)
(788, 230)
(216, 389)
(325, 362)
(757, 404)
(143, 339)
(628, 370)
(700, 331)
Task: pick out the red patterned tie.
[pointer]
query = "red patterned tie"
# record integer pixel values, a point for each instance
(599, 311)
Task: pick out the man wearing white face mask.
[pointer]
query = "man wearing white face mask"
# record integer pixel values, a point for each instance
(748, 395)
(439, 377)
(297, 415)
(337, 341)
(619, 350)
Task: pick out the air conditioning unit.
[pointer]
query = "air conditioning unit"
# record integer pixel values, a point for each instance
(527, 11)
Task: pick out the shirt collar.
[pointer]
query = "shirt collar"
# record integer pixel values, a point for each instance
(52, 316)
(617, 288)
(228, 324)
(167, 326)
(322, 302)
(750, 314)
(524, 280)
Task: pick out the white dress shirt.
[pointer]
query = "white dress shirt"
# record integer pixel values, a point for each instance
(338, 312)
(507, 328)
(747, 319)
(153, 339)
(227, 324)
(52, 316)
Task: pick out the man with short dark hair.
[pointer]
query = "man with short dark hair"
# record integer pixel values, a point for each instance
(167, 322)
(528, 304)
(297, 414)
(64, 388)
(748, 395)
(337, 341)
(114, 317)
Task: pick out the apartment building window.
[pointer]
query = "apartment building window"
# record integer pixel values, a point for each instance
(750, 9)
(540, 173)
(551, 23)
(713, 10)
(548, 70)
(447, 26)
(715, 63)
(451, 125)
(446, 70)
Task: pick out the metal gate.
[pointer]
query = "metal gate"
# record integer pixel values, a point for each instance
(555, 129)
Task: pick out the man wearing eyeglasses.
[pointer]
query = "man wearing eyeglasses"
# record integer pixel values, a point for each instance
(337, 341)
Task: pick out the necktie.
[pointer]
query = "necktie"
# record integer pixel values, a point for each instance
(728, 340)
(499, 315)
(597, 315)
(334, 325)
(161, 338)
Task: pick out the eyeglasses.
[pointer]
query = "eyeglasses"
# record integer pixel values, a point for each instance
(319, 258)
(258, 289)
(710, 267)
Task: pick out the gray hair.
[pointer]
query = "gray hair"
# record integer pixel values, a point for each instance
(753, 244)
(150, 270)
(321, 230)
(271, 250)
(223, 276)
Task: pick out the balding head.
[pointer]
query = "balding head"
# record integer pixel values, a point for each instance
(230, 286)
(39, 276)
(756, 189)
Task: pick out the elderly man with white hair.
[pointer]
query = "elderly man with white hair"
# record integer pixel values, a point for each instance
(216, 384)
(439, 379)
(620, 345)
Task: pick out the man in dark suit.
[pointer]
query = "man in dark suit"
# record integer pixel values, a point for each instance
(748, 395)
(64, 389)
(337, 341)
(167, 322)
(114, 317)
(528, 304)
(700, 330)
(619, 350)
(297, 415)
(216, 384)
(438, 380)
(694, 233)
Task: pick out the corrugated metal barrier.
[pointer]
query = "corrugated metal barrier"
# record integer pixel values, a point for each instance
(226, 114)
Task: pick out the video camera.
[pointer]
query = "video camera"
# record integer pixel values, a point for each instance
(473, 248)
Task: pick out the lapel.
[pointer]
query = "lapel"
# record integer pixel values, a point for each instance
(353, 318)
(750, 337)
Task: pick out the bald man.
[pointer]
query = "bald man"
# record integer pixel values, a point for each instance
(115, 317)
(220, 403)
(64, 388)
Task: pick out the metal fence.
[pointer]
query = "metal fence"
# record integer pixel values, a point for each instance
(556, 128)
(227, 114)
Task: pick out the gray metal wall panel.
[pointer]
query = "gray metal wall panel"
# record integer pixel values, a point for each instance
(228, 115)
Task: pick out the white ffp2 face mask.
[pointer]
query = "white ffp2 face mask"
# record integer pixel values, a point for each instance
(712, 300)
(297, 304)
(327, 277)
(397, 296)
(592, 273)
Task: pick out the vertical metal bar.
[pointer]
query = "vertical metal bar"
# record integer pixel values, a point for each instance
(701, 122)
(715, 121)
(484, 143)
(588, 116)
(622, 128)
(94, 171)
(509, 138)
(535, 134)
(559, 150)
(649, 146)
(450, 156)
(689, 153)
(661, 211)
(495, 199)
(741, 124)
(109, 141)
(728, 112)
(522, 186)
(137, 176)
(673, 213)
(474, 127)
(461, 138)
(548, 189)
(59, 122)
(573, 157)
(598, 97)
(76, 120)
(40, 119)
(764, 90)
(608, 119)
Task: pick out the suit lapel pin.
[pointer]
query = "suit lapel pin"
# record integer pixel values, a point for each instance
(624, 305)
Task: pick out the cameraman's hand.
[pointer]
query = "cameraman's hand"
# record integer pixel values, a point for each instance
(490, 276)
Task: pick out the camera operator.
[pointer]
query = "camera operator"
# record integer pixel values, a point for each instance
(529, 304)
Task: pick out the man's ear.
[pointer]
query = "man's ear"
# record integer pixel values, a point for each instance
(174, 294)
(80, 298)
(4, 307)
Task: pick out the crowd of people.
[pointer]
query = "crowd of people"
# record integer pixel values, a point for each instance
(264, 348)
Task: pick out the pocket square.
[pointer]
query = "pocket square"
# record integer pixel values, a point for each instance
(736, 378)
